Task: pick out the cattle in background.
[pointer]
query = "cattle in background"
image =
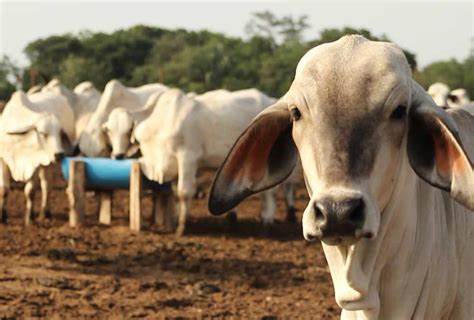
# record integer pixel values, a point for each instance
(458, 98)
(93, 140)
(35, 131)
(439, 92)
(389, 175)
(83, 101)
(120, 125)
(34, 89)
(187, 133)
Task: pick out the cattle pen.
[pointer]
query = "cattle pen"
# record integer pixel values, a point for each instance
(105, 175)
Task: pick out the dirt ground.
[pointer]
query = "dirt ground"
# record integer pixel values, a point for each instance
(51, 271)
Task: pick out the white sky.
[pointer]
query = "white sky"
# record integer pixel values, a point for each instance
(433, 30)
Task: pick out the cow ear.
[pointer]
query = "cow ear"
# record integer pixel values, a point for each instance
(263, 156)
(439, 147)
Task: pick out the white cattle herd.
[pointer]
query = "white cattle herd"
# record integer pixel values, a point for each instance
(388, 167)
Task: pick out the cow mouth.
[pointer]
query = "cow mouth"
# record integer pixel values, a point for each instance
(347, 240)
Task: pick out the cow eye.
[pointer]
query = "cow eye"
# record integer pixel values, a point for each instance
(295, 113)
(399, 113)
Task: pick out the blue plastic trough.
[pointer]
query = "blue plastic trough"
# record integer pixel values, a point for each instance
(108, 174)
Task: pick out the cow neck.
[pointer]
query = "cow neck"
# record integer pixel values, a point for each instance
(356, 269)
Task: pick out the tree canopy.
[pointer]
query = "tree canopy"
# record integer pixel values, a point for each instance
(197, 61)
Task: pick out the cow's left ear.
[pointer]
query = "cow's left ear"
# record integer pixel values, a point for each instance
(263, 156)
(441, 146)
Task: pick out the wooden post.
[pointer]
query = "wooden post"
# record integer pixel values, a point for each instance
(164, 209)
(135, 196)
(105, 211)
(75, 192)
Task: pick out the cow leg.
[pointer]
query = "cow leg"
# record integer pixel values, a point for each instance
(155, 213)
(187, 170)
(268, 207)
(289, 195)
(3, 204)
(44, 209)
(4, 189)
(29, 195)
(164, 209)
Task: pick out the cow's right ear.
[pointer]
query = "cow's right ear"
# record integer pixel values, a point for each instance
(263, 156)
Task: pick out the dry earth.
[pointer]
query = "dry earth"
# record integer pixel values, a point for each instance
(51, 271)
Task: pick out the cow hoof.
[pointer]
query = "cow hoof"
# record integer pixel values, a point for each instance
(44, 215)
(4, 218)
(291, 215)
(180, 231)
(267, 229)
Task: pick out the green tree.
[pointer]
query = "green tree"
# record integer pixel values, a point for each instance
(74, 70)
(452, 72)
(7, 70)
(266, 25)
(46, 55)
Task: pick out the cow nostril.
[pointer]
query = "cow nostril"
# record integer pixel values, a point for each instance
(318, 213)
(356, 214)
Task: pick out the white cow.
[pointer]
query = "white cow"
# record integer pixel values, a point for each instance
(34, 131)
(83, 101)
(458, 98)
(120, 124)
(93, 140)
(389, 175)
(34, 89)
(439, 92)
(184, 134)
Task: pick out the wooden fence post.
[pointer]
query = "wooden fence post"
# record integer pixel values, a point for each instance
(75, 192)
(135, 196)
(105, 210)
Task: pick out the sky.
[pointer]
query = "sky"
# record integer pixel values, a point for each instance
(433, 30)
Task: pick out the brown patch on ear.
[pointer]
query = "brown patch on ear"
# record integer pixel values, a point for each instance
(257, 144)
(450, 158)
(263, 156)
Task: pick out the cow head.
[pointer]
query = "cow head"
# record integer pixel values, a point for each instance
(355, 116)
(118, 129)
(29, 139)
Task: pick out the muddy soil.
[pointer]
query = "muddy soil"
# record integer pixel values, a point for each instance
(48, 270)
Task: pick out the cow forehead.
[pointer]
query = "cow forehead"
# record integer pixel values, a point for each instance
(344, 87)
(353, 75)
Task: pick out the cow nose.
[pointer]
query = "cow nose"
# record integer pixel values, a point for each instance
(341, 218)
(59, 156)
(119, 156)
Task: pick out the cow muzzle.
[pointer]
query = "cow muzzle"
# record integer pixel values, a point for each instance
(119, 156)
(335, 221)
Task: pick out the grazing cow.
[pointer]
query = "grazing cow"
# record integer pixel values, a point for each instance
(83, 101)
(93, 142)
(184, 134)
(389, 175)
(120, 124)
(35, 131)
(458, 98)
